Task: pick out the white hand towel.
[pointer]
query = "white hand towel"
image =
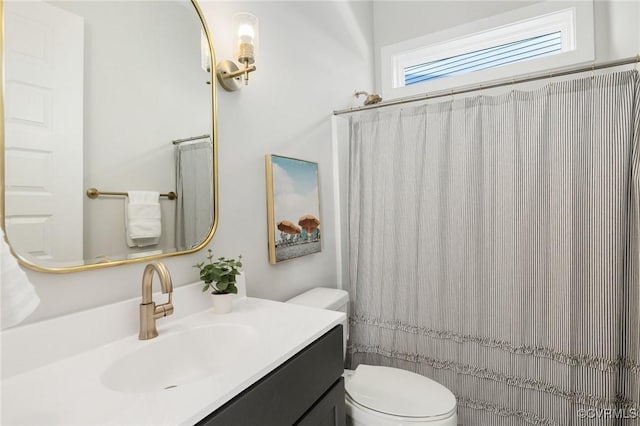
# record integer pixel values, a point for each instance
(19, 298)
(143, 219)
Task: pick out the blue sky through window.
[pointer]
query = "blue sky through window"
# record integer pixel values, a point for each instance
(517, 51)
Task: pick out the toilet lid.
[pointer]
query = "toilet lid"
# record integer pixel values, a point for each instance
(399, 392)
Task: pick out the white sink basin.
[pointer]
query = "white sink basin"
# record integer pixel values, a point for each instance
(170, 361)
(58, 379)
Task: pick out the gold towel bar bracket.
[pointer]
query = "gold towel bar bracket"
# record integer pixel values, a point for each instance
(93, 193)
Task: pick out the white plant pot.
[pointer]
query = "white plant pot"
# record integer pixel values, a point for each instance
(222, 303)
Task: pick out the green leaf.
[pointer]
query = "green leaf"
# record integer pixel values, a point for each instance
(220, 275)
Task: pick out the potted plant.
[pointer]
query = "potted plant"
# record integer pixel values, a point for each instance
(220, 278)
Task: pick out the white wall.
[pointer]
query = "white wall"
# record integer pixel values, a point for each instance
(312, 56)
(616, 29)
(617, 33)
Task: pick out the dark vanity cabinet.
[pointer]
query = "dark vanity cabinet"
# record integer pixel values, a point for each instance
(307, 390)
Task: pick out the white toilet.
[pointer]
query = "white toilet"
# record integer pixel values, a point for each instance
(384, 396)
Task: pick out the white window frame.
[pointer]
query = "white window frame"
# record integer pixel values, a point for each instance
(574, 20)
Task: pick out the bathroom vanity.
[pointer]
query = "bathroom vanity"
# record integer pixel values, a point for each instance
(308, 390)
(266, 363)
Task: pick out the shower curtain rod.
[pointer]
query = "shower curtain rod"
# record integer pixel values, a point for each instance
(497, 83)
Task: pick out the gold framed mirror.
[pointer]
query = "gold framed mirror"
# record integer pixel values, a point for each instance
(109, 110)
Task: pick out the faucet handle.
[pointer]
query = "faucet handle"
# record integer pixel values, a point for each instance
(164, 309)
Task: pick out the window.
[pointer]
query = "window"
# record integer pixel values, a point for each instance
(516, 51)
(531, 39)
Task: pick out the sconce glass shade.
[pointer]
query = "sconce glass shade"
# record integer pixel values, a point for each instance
(205, 53)
(245, 43)
(230, 74)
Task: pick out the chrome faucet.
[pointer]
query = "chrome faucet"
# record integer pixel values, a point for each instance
(149, 312)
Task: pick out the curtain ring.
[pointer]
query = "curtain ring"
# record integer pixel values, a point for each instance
(593, 70)
(637, 61)
(451, 96)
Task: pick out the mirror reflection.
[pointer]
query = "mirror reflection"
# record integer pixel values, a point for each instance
(111, 95)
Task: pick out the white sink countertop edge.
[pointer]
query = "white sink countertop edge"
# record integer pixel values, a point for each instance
(70, 391)
(30, 346)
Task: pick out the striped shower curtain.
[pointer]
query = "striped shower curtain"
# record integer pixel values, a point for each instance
(494, 248)
(194, 206)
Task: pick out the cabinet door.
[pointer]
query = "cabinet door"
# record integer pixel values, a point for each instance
(329, 410)
(285, 395)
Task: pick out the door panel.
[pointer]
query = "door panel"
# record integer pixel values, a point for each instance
(44, 55)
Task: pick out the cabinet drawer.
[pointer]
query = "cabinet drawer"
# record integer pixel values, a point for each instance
(286, 394)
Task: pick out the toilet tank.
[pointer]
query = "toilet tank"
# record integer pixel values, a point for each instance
(332, 299)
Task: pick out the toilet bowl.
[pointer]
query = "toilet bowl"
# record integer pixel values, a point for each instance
(385, 396)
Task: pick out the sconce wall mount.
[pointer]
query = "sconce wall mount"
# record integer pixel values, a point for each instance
(231, 76)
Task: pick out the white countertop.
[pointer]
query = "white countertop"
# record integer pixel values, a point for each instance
(69, 390)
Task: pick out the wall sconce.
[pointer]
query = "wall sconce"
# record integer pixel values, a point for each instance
(245, 43)
(205, 53)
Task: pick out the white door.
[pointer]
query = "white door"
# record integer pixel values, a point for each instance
(44, 56)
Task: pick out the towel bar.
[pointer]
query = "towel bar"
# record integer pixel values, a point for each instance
(93, 193)
(193, 138)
